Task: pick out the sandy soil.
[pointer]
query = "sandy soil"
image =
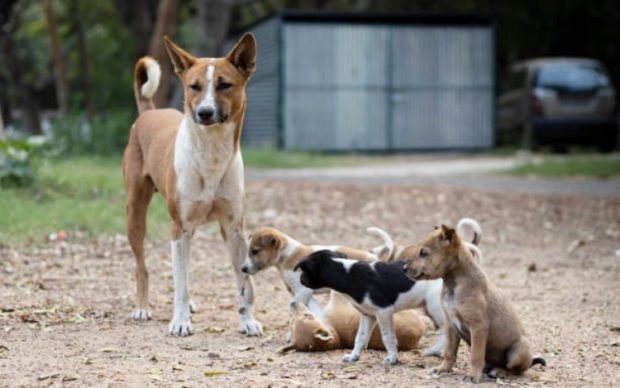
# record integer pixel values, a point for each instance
(65, 306)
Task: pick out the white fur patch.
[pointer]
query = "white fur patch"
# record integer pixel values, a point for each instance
(346, 263)
(153, 73)
(291, 247)
(387, 240)
(209, 99)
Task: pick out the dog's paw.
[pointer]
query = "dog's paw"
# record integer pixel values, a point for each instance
(434, 351)
(439, 370)
(350, 358)
(181, 326)
(192, 307)
(390, 360)
(141, 315)
(250, 327)
(472, 379)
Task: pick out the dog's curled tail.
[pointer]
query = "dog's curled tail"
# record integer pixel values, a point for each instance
(145, 82)
(539, 360)
(387, 240)
(473, 225)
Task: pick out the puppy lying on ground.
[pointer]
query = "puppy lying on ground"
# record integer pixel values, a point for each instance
(337, 331)
(270, 247)
(377, 290)
(475, 310)
(431, 289)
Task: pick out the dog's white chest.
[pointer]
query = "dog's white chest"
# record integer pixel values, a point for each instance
(451, 313)
(201, 158)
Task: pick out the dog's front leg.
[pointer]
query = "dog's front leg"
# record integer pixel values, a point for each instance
(450, 351)
(364, 330)
(181, 323)
(386, 325)
(478, 350)
(238, 250)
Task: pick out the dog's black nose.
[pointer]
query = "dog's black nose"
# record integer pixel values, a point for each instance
(205, 114)
(244, 269)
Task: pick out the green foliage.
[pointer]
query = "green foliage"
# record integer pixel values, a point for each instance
(17, 161)
(106, 134)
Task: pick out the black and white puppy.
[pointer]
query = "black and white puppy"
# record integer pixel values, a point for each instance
(376, 289)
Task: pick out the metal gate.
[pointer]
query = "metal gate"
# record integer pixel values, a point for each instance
(379, 87)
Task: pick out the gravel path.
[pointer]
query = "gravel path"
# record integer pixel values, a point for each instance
(65, 306)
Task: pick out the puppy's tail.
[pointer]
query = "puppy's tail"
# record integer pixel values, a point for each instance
(387, 240)
(473, 225)
(538, 360)
(145, 82)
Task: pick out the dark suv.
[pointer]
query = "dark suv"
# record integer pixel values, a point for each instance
(559, 102)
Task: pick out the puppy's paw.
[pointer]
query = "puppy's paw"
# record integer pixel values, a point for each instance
(475, 379)
(390, 360)
(192, 307)
(180, 326)
(442, 368)
(351, 358)
(432, 352)
(250, 327)
(141, 315)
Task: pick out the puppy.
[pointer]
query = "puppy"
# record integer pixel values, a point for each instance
(340, 323)
(431, 290)
(476, 311)
(377, 290)
(270, 247)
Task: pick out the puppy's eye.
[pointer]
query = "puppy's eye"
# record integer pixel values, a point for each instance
(423, 252)
(195, 87)
(254, 252)
(224, 85)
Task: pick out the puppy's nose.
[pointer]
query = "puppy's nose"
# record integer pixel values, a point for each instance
(205, 114)
(244, 269)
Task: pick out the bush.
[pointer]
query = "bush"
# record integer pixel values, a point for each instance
(106, 134)
(17, 160)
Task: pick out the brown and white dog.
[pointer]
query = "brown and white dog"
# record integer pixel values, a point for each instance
(339, 328)
(193, 159)
(270, 247)
(475, 310)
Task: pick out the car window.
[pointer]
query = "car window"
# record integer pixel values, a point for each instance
(571, 76)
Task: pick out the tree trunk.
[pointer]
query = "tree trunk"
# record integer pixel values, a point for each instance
(213, 20)
(166, 15)
(78, 27)
(60, 73)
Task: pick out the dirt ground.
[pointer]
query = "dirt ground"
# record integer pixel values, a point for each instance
(65, 306)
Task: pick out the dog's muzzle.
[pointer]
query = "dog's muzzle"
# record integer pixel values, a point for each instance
(209, 116)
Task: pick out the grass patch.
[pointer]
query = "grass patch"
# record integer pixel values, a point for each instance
(83, 194)
(595, 166)
(86, 194)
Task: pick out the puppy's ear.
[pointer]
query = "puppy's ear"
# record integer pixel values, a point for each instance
(339, 255)
(447, 233)
(322, 335)
(181, 59)
(270, 241)
(243, 55)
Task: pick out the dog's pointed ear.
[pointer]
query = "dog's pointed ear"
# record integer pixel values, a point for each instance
(243, 55)
(322, 335)
(181, 59)
(447, 233)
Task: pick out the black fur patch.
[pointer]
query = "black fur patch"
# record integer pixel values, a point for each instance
(383, 283)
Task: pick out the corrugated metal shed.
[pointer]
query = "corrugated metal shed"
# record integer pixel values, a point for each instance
(372, 82)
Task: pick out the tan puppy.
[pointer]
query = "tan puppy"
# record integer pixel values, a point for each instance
(193, 160)
(475, 309)
(271, 248)
(339, 328)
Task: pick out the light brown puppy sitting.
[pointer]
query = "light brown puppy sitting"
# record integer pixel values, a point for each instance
(474, 308)
(339, 328)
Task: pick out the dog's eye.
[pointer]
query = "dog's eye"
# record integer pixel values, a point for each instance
(195, 87)
(254, 252)
(423, 252)
(224, 86)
